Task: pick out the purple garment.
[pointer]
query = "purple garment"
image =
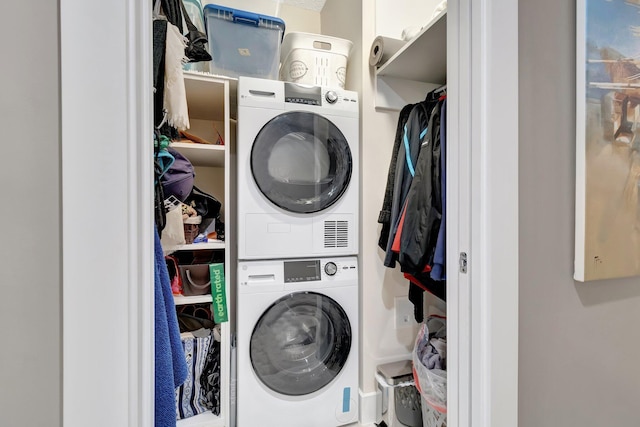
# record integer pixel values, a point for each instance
(431, 359)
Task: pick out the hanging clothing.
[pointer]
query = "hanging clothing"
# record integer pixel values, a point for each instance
(438, 271)
(424, 210)
(384, 217)
(413, 208)
(175, 95)
(423, 216)
(406, 159)
(170, 361)
(159, 51)
(172, 9)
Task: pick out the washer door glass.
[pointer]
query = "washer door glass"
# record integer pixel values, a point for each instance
(301, 162)
(300, 343)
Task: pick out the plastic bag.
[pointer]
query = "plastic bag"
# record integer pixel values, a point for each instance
(173, 233)
(430, 362)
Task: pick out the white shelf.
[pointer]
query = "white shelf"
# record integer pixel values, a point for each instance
(418, 67)
(206, 419)
(423, 58)
(201, 154)
(212, 103)
(212, 244)
(205, 94)
(196, 299)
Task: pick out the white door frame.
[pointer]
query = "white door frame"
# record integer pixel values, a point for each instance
(482, 212)
(107, 217)
(107, 199)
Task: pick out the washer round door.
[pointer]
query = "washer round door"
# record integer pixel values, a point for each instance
(300, 343)
(301, 162)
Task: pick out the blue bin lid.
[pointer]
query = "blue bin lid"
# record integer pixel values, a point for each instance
(243, 17)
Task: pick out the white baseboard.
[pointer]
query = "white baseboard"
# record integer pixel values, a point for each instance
(367, 407)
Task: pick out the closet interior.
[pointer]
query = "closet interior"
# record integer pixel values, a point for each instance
(413, 77)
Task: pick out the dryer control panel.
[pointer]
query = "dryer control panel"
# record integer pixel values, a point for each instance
(298, 94)
(274, 94)
(310, 273)
(315, 95)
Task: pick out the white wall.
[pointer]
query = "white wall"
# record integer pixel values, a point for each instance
(380, 285)
(30, 255)
(579, 347)
(295, 18)
(394, 16)
(381, 341)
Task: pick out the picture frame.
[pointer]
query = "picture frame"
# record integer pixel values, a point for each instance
(607, 217)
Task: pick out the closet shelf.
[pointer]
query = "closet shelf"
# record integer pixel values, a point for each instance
(417, 68)
(206, 419)
(196, 299)
(205, 93)
(213, 244)
(201, 154)
(423, 58)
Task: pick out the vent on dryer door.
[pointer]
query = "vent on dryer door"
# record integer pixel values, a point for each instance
(336, 234)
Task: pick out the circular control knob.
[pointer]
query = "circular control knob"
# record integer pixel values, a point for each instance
(331, 98)
(330, 268)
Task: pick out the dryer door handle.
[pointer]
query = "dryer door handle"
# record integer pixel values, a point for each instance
(260, 278)
(263, 93)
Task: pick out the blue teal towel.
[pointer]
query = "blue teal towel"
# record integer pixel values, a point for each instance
(170, 362)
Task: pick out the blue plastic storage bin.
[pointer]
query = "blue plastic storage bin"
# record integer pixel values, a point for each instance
(243, 43)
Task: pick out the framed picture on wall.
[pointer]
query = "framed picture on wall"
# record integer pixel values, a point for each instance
(608, 139)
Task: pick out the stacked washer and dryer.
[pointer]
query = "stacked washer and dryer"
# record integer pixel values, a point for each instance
(297, 293)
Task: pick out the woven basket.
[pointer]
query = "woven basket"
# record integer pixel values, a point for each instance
(432, 417)
(190, 232)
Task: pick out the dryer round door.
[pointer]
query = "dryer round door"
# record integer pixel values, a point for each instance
(301, 162)
(300, 343)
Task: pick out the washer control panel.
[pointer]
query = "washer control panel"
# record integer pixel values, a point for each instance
(330, 268)
(312, 270)
(295, 274)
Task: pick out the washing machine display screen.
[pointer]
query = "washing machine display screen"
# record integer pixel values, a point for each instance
(300, 343)
(301, 162)
(301, 271)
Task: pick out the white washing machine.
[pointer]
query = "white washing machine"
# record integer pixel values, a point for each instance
(298, 189)
(297, 342)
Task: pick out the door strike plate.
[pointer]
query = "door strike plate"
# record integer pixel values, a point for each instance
(463, 262)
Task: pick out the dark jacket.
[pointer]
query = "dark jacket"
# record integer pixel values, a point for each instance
(384, 217)
(407, 157)
(424, 204)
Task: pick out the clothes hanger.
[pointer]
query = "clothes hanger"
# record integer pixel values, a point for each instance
(436, 93)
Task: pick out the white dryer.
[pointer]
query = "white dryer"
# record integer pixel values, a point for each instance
(297, 343)
(298, 189)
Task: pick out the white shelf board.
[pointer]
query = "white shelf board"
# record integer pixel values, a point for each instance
(212, 244)
(206, 419)
(422, 59)
(393, 93)
(205, 93)
(196, 299)
(201, 154)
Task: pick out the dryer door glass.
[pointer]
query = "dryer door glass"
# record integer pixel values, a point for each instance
(300, 343)
(301, 162)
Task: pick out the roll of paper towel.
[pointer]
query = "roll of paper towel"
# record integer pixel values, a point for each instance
(384, 48)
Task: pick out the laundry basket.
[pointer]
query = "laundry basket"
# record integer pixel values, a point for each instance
(431, 417)
(314, 59)
(429, 371)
